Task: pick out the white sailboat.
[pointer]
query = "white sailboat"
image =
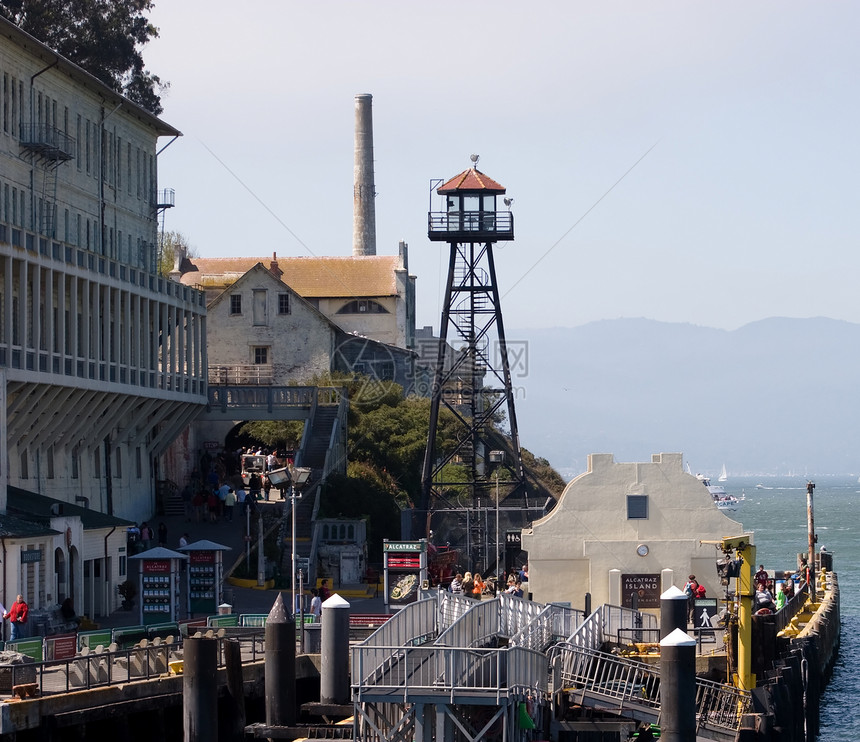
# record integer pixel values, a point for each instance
(723, 476)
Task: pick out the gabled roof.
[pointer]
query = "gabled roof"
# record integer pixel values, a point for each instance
(31, 505)
(470, 180)
(313, 278)
(12, 526)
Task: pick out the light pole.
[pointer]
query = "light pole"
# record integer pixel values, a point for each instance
(497, 458)
(296, 478)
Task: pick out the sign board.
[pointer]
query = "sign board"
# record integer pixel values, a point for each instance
(31, 555)
(646, 587)
(29, 647)
(513, 539)
(303, 565)
(211, 445)
(156, 566)
(404, 546)
(705, 613)
(61, 646)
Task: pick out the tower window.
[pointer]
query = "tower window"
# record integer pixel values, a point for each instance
(283, 303)
(637, 507)
(236, 304)
(261, 355)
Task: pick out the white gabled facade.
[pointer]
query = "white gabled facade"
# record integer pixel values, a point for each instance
(622, 524)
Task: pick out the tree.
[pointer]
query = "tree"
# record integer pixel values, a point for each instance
(275, 434)
(103, 37)
(171, 243)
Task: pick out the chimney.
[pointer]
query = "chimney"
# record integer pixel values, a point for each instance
(274, 268)
(363, 211)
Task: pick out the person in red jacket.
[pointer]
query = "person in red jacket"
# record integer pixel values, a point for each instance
(17, 616)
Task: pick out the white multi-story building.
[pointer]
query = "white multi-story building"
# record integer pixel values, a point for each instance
(102, 361)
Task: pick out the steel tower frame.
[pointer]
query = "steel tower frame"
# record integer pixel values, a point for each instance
(472, 317)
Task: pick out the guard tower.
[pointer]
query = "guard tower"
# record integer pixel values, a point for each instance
(472, 376)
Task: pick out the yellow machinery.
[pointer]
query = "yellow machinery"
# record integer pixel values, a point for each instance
(739, 564)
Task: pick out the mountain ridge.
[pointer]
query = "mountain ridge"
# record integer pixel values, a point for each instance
(774, 395)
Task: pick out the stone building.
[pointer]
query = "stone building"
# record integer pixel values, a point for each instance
(369, 295)
(102, 361)
(621, 528)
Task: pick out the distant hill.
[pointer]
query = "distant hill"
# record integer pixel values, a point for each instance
(775, 396)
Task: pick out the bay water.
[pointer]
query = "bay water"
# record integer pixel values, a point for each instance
(775, 510)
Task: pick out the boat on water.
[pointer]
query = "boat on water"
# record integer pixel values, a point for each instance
(723, 476)
(722, 499)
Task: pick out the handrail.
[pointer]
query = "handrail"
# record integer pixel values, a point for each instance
(103, 667)
(586, 673)
(554, 622)
(448, 671)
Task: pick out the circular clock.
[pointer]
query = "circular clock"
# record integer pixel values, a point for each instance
(642, 550)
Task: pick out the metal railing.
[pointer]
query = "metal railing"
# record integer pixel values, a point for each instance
(102, 667)
(588, 674)
(448, 671)
(496, 222)
(415, 624)
(553, 623)
(256, 374)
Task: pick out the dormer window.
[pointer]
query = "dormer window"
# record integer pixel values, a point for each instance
(363, 306)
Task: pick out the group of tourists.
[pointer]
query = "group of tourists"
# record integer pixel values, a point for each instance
(474, 586)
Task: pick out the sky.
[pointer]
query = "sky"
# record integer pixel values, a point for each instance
(683, 162)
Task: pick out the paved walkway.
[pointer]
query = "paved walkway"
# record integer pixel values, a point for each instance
(231, 534)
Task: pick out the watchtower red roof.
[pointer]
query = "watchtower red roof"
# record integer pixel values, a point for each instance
(470, 180)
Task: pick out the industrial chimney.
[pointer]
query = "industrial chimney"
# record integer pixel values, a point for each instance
(363, 211)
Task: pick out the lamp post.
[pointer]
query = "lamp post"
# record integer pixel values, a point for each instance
(296, 478)
(497, 458)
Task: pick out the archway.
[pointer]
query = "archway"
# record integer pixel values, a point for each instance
(60, 574)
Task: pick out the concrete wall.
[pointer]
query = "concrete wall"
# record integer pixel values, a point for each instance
(576, 548)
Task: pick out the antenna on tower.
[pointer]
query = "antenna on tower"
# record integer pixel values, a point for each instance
(474, 159)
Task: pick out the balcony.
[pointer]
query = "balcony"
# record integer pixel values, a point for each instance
(470, 226)
(48, 141)
(250, 374)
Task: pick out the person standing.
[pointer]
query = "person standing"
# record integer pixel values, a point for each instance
(162, 534)
(17, 616)
(229, 502)
(145, 536)
(316, 605)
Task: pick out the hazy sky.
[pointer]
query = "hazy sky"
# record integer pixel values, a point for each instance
(744, 208)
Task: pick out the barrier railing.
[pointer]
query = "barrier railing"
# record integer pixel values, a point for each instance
(586, 674)
(103, 665)
(449, 671)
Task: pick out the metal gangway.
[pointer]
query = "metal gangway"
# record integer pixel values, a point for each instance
(457, 669)
(584, 674)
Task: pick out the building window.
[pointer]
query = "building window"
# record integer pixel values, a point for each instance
(49, 455)
(138, 463)
(283, 303)
(363, 306)
(637, 507)
(123, 568)
(25, 472)
(236, 304)
(75, 464)
(97, 463)
(261, 356)
(118, 464)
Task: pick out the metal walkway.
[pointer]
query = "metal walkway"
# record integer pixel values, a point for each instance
(451, 668)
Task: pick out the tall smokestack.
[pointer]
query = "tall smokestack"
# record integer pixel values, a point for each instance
(363, 211)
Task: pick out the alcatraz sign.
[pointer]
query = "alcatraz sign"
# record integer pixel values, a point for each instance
(645, 587)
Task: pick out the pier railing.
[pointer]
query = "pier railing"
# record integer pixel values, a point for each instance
(104, 666)
(593, 678)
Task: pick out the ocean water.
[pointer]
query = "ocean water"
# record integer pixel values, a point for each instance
(776, 512)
